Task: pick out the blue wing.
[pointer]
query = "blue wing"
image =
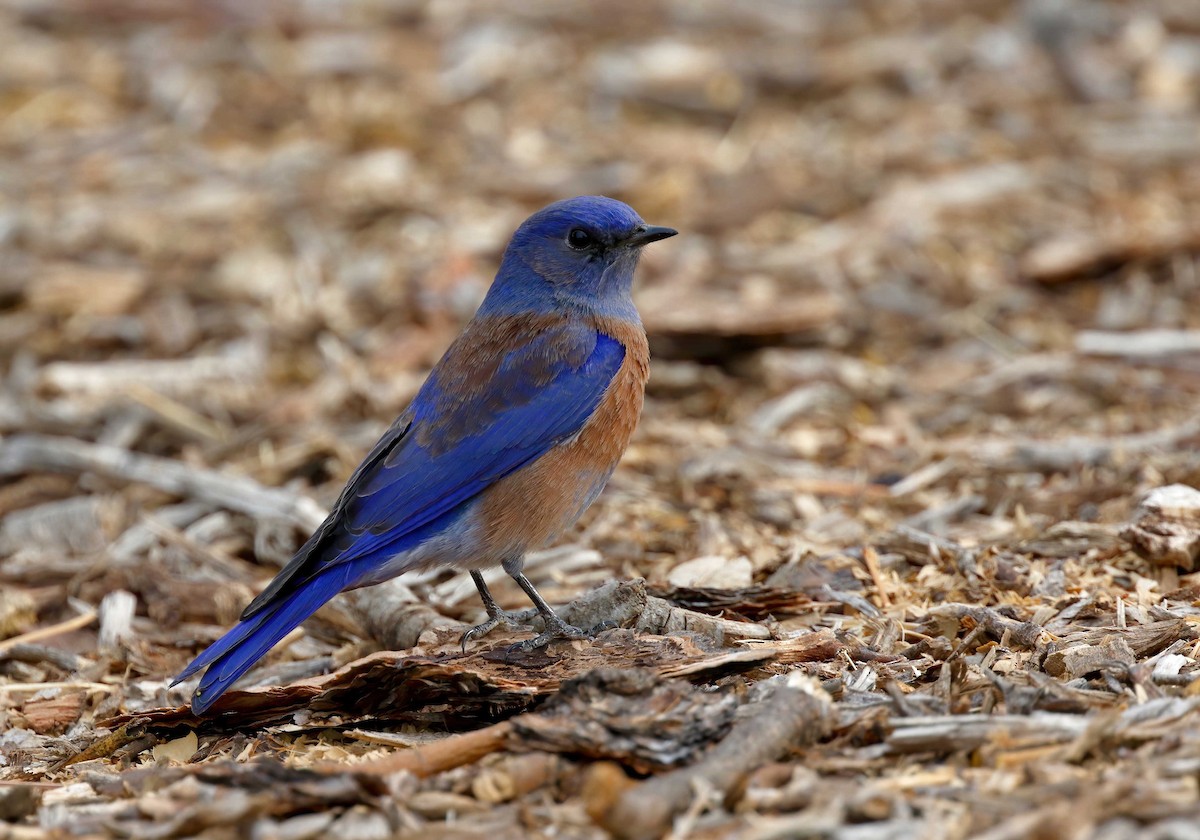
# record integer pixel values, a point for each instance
(501, 397)
(482, 414)
(463, 439)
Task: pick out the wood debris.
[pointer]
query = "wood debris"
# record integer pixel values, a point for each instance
(906, 543)
(1167, 527)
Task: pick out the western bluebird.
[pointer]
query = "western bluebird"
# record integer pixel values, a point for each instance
(510, 439)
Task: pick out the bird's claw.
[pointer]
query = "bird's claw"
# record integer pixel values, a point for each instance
(559, 629)
(508, 619)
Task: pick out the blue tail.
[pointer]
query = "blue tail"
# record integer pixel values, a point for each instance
(234, 653)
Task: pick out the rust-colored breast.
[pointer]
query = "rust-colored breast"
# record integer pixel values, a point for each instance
(532, 506)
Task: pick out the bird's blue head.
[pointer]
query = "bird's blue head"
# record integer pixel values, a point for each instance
(579, 253)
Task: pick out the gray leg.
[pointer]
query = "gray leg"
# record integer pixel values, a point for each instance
(556, 628)
(496, 616)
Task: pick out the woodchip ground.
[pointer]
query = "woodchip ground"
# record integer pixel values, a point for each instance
(903, 546)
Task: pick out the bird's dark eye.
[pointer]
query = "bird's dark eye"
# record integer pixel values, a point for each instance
(579, 239)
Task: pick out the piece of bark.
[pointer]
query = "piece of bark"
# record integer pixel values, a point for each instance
(632, 716)
(459, 691)
(1079, 660)
(796, 713)
(54, 715)
(1143, 639)
(1166, 527)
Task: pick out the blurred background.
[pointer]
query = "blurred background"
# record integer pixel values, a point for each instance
(937, 268)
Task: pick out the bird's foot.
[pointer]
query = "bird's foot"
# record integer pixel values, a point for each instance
(516, 620)
(558, 629)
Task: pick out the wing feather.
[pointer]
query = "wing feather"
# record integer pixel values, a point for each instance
(502, 396)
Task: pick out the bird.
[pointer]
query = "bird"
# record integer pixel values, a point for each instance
(511, 437)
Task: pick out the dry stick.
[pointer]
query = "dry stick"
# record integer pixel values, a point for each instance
(797, 713)
(431, 759)
(77, 623)
(1139, 344)
(840, 489)
(871, 561)
(103, 688)
(33, 453)
(1067, 452)
(176, 414)
(953, 733)
(34, 654)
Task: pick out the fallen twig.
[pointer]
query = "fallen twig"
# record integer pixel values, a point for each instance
(1138, 344)
(437, 757)
(796, 713)
(1067, 453)
(33, 453)
(77, 623)
(16, 688)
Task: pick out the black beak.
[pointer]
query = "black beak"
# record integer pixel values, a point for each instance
(645, 234)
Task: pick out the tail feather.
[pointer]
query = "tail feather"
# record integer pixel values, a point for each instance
(236, 652)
